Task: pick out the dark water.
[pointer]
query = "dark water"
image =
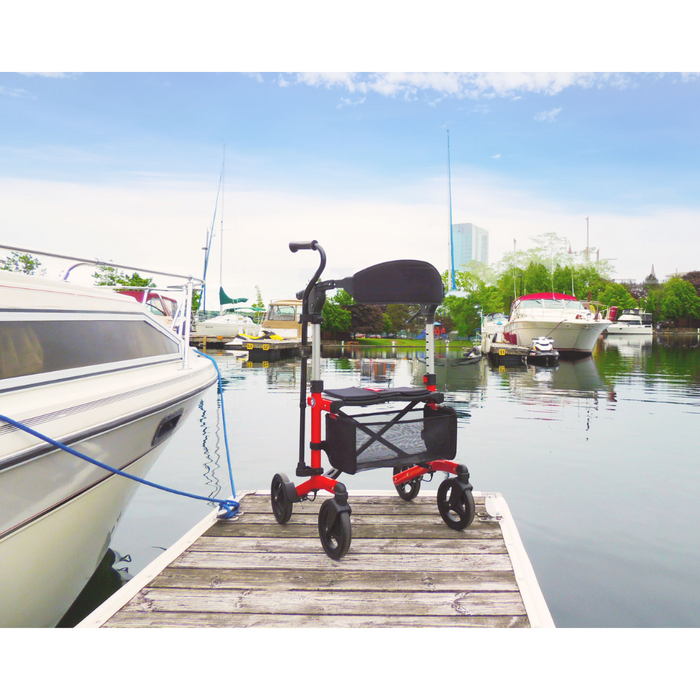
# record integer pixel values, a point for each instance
(597, 459)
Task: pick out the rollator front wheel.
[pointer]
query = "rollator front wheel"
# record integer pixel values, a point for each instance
(281, 503)
(334, 529)
(409, 489)
(456, 504)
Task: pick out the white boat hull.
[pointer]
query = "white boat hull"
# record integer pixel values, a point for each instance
(569, 336)
(67, 545)
(227, 327)
(622, 329)
(63, 510)
(93, 371)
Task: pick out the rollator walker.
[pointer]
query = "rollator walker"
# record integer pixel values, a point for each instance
(417, 439)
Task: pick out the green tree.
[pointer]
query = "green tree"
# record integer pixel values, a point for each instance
(258, 306)
(679, 300)
(474, 298)
(107, 276)
(335, 317)
(24, 263)
(366, 318)
(617, 295)
(652, 303)
(196, 300)
(401, 317)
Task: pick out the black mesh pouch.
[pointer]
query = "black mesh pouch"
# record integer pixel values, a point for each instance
(373, 440)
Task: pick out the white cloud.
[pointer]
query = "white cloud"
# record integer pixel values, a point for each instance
(161, 226)
(497, 156)
(549, 116)
(16, 92)
(461, 85)
(50, 75)
(347, 102)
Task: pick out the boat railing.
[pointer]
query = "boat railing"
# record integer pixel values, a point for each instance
(182, 318)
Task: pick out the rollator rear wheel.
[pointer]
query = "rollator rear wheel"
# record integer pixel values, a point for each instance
(408, 490)
(281, 505)
(334, 529)
(456, 504)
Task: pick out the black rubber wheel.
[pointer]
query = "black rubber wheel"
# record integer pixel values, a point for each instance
(335, 537)
(408, 490)
(281, 505)
(456, 504)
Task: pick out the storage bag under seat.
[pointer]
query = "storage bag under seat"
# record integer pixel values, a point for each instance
(373, 440)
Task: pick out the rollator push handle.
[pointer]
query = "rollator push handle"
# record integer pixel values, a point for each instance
(294, 246)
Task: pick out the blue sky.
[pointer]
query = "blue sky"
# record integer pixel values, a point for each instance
(125, 166)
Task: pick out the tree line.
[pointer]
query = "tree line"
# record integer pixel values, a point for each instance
(481, 289)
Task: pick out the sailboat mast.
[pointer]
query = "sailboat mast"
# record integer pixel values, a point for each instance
(449, 187)
(221, 242)
(210, 236)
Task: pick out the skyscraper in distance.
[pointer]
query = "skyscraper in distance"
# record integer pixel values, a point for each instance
(470, 243)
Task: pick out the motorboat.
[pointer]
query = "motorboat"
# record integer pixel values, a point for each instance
(95, 371)
(471, 355)
(573, 326)
(631, 322)
(492, 327)
(230, 323)
(493, 324)
(283, 318)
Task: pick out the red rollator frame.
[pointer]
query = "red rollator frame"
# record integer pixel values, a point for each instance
(417, 439)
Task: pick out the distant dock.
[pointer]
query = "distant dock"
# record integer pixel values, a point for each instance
(405, 568)
(258, 350)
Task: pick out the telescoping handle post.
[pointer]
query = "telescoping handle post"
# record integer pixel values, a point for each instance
(302, 469)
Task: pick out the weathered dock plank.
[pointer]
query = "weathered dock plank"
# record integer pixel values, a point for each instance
(405, 568)
(270, 580)
(131, 619)
(255, 601)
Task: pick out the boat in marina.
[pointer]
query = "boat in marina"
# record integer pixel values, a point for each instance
(631, 322)
(228, 324)
(493, 325)
(573, 326)
(283, 318)
(155, 302)
(94, 371)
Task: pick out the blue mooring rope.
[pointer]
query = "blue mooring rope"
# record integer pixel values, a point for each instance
(229, 507)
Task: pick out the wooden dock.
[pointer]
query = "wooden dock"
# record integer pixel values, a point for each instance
(405, 568)
(258, 350)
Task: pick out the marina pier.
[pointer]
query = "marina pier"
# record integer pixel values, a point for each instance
(404, 569)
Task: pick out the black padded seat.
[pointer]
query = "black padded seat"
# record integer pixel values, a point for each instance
(357, 396)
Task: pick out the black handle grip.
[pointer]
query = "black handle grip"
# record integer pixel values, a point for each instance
(296, 245)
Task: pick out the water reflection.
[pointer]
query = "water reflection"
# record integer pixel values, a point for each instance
(212, 445)
(109, 577)
(596, 458)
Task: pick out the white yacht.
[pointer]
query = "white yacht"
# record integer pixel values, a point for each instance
(230, 323)
(631, 322)
(95, 371)
(492, 327)
(573, 326)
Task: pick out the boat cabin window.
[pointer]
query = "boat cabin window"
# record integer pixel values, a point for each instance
(557, 304)
(34, 347)
(282, 312)
(156, 310)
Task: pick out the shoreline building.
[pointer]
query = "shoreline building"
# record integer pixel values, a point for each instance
(470, 243)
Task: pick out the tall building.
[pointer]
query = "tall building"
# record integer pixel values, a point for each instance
(470, 243)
